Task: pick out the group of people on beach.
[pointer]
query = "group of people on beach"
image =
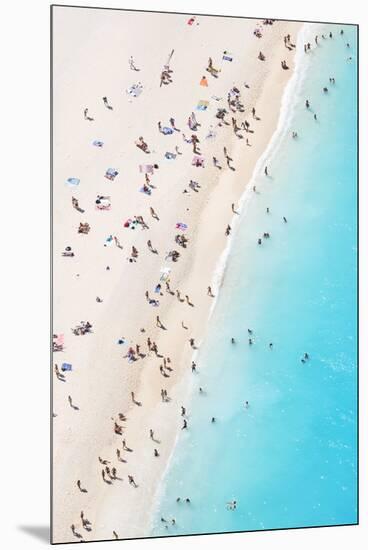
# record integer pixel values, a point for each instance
(149, 351)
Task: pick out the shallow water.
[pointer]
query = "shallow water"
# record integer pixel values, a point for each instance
(290, 458)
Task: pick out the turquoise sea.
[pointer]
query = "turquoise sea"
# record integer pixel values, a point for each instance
(290, 458)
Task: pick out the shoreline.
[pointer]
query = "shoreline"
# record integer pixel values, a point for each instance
(106, 513)
(193, 485)
(283, 126)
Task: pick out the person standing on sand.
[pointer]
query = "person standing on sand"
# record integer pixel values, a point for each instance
(228, 231)
(185, 425)
(233, 209)
(209, 292)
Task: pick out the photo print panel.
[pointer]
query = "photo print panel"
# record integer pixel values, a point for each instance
(204, 281)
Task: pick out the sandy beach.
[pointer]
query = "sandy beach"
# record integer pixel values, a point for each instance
(91, 51)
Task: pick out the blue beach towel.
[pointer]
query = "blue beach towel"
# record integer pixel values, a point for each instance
(73, 181)
(66, 367)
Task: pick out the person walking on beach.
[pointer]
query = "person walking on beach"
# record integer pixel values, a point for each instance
(132, 64)
(185, 425)
(118, 454)
(188, 301)
(193, 367)
(132, 395)
(233, 209)
(192, 343)
(183, 411)
(106, 103)
(104, 477)
(150, 247)
(228, 231)
(266, 171)
(228, 159)
(82, 490)
(209, 292)
(86, 117)
(71, 404)
(125, 447)
(159, 324)
(153, 214)
(75, 205)
(132, 481)
(75, 533)
(216, 163)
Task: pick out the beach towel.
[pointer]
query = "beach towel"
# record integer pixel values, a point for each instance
(59, 339)
(72, 181)
(97, 143)
(227, 56)
(191, 21)
(66, 367)
(170, 156)
(167, 131)
(135, 90)
(203, 82)
(146, 168)
(202, 105)
(198, 161)
(111, 174)
(108, 240)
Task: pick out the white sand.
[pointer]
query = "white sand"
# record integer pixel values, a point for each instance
(91, 52)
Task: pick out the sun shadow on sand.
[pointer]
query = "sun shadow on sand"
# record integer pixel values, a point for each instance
(40, 532)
